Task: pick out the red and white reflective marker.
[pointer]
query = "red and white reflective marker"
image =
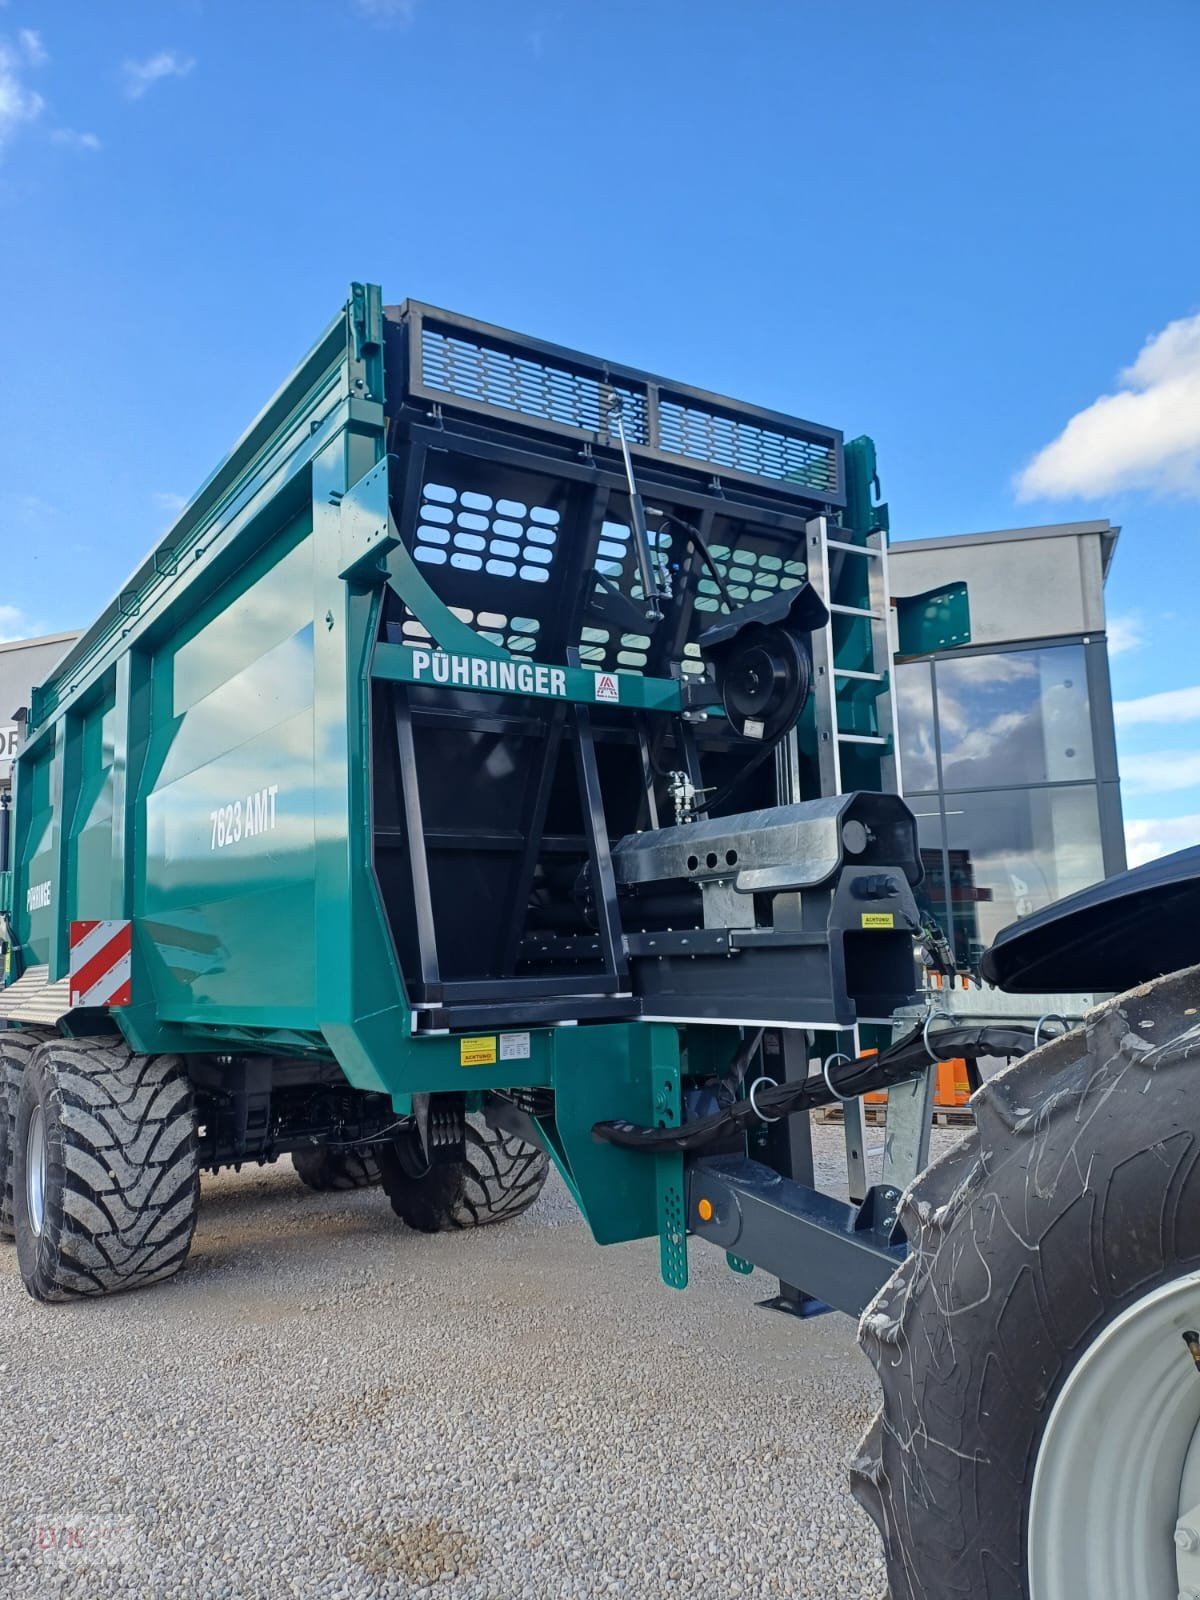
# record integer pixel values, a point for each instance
(101, 963)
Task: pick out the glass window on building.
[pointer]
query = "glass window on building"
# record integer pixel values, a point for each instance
(1012, 851)
(1016, 716)
(999, 766)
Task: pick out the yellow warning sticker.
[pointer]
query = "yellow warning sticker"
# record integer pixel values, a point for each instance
(477, 1052)
(878, 919)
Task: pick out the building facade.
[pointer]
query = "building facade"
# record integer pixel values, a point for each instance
(23, 663)
(1008, 746)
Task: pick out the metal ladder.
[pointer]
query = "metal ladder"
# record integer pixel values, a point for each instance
(858, 747)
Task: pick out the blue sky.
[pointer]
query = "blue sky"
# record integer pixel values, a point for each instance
(968, 230)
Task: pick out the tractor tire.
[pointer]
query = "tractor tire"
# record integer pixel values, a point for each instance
(1070, 1212)
(105, 1175)
(323, 1169)
(16, 1047)
(501, 1177)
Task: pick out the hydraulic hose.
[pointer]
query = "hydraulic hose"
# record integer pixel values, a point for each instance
(900, 1062)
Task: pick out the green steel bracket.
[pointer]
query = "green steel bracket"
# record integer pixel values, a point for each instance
(366, 352)
(738, 1264)
(6, 889)
(367, 528)
(865, 512)
(616, 1071)
(668, 1177)
(939, 619)
(435, 617)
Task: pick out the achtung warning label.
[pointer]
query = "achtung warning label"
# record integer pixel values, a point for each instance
(878, 919)
(477, 1052)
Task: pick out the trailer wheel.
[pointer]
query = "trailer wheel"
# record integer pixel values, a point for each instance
(501, 1177)
(105, 1174)
(16, 1047)
(320, 1168)
(1038, 1350)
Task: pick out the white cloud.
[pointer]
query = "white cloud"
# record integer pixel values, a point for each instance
(76, 141)
(1171, 705)
(172, 504)
(1147, 840)
(1124, 634)
(1146, 436)
(32, 47)
(17, 624)
(142, 75)
(1160, 771)
(387, 11)
(18, 103)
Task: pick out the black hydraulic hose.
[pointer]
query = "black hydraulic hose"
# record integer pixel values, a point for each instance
(900, 1062)
(696, 538)
(719, 798)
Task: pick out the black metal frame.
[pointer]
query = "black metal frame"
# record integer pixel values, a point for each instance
(617, 381)
(592, 485)
(844, 1253)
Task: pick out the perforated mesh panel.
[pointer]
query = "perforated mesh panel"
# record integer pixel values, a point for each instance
(723, 441)
(494, 377)
(474, 533)
(749, 575)
(512, 633)
(480, 368)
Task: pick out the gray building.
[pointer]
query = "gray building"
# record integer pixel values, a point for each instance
(23, 663)
(1008, 747)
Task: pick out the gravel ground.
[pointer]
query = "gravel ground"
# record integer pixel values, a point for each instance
(325, 1404)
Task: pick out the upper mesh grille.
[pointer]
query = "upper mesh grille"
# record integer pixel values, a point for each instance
(746, 447)
(533, 388)
(479, 367)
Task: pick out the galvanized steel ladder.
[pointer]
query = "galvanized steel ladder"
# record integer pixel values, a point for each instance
(859, 748)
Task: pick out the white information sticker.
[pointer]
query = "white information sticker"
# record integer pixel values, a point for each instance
(514, 1047)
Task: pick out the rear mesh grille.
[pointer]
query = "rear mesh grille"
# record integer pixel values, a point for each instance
(725, 442)
(490, 370)
(493, 377)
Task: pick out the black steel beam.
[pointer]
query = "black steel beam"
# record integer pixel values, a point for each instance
(838, 1253)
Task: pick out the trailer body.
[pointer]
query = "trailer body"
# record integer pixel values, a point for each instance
(497, 726)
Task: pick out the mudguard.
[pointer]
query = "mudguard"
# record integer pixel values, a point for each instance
(1118, 933)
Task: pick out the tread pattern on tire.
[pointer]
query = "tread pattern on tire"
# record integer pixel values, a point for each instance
(501, 1177)
(1078, 1191)
(122, 1186)
(322, 1169)
(16, 1048)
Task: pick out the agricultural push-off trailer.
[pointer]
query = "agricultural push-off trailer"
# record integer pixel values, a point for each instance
(496, 762)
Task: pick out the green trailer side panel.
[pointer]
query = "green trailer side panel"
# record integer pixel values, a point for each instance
(223, 901)
(362, 1009)
(34, 853)
(90, 835)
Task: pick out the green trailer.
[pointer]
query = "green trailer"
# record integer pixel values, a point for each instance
(494, 766)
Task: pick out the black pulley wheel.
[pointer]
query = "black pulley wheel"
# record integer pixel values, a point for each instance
(765, 682)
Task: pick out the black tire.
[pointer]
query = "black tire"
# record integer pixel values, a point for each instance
(122, 1180)
(323, 1169)
(16, 1047)
(501, 1177)
(1078, 1193)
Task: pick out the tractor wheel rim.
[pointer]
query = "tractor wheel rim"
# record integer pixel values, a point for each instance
(1116, 1487)
(35, 1170)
